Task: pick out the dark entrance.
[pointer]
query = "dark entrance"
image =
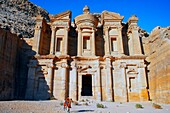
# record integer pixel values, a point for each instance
(86, 85)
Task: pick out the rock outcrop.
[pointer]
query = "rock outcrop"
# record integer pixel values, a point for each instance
(157, 49)
(19, 16)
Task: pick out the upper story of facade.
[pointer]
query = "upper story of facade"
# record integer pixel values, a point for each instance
(89, 35)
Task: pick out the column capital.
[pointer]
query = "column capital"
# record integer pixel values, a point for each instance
(53, 28)
(38, 27)
(119, 28)
(97, 66)
(108, 63)
(50, 65)
(64, 65)
(78, 29)
(106, 28)
(67, 28)
(73, 64)
(123, 65)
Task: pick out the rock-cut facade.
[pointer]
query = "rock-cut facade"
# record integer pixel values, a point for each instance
(96, 57)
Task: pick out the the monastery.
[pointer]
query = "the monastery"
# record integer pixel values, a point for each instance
(97, 57)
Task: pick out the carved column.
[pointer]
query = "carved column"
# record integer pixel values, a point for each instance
(37, 38)
(53, 36)
(66, 41)
(79, 52)
(124, 82)
(120, 41)
(109, 89)
(64, 82)
(79, 86)
(98, 82)
(137, 44)
(93, 42)
(73, 85)
(107, 44)
(142, 82)
(130, 43)
(50, 78)
(31, 80)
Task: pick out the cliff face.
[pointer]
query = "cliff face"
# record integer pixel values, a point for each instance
(157, 49)
(9, 46)
(19, 16)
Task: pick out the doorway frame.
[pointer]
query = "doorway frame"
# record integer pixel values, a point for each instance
(80, 86)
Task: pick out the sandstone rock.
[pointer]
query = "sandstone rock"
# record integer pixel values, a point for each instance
(157, 48)
(18, 15)
(9, 44)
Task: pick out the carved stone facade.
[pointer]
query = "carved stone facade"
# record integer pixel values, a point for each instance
(97, 57)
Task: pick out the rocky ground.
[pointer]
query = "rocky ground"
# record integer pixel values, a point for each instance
(55, 106)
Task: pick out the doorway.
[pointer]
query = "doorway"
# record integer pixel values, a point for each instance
(86, 85)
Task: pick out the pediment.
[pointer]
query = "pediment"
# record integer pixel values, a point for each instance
(62, 16)
(106, 15)
(86, 69)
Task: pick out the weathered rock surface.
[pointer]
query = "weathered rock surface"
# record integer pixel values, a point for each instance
(157, 48)
(9, 45)
(19, 16)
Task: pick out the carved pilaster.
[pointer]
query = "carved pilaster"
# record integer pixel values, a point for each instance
(52, 45)
(66, 40)
(109, 88)
(142, 82)
(107, 44)
(64, 80)
(120, 40)
(73, 84)
(98, 81)
(79, 50)
(37, 38)
(50, 77)
(93, 42)
(124, 87)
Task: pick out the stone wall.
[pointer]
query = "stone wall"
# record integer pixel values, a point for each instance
(9, 45)
(157, 48)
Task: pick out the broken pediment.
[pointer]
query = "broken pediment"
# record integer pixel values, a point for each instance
(62, 16)
(111, 16)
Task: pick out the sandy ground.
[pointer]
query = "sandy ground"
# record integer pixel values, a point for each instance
(55, 107)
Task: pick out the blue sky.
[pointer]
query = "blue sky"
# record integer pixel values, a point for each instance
(151, 13)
